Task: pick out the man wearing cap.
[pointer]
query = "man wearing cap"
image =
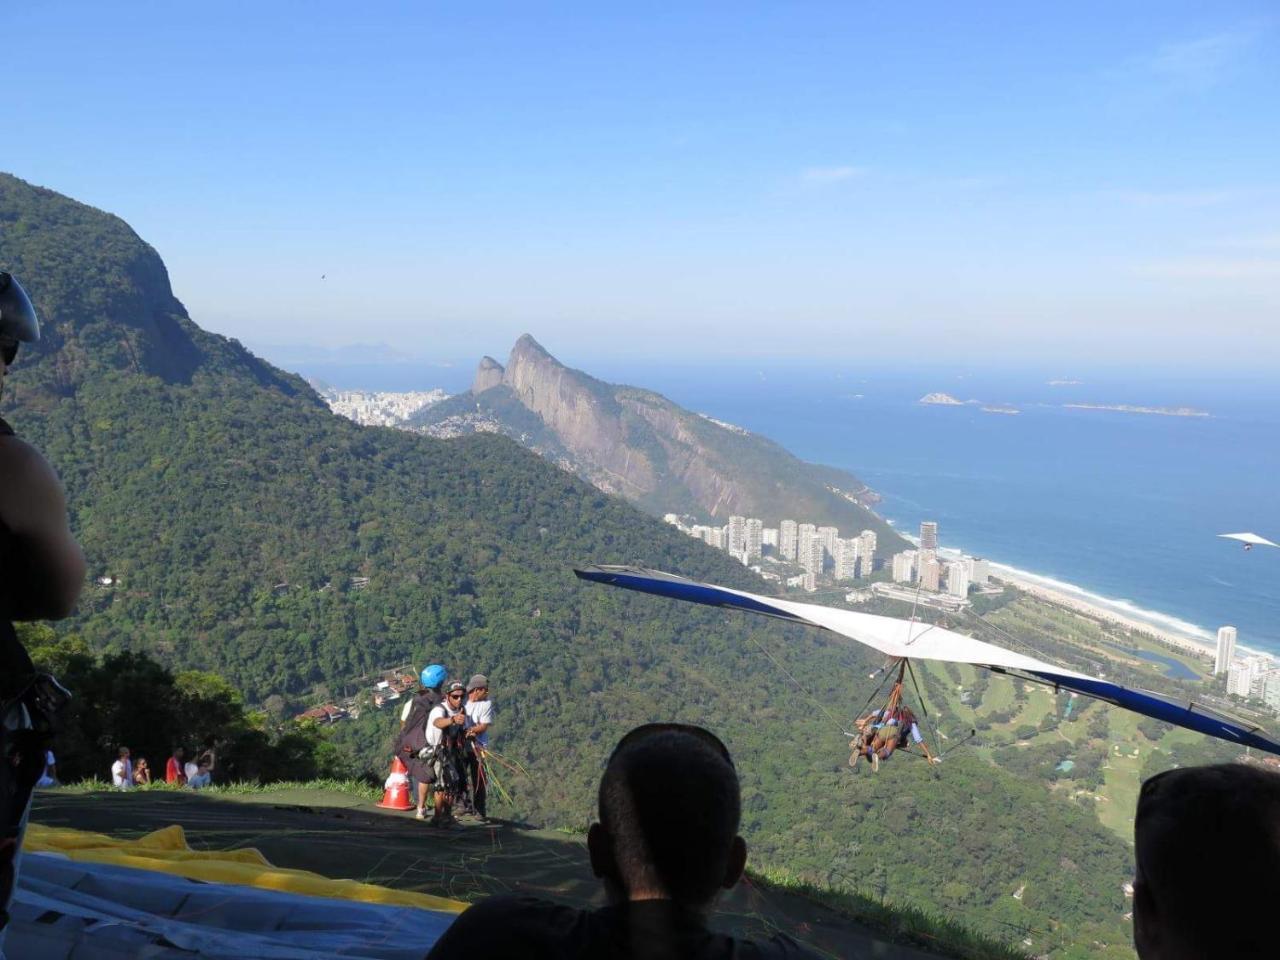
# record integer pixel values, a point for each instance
(446, 728)
(479, 710)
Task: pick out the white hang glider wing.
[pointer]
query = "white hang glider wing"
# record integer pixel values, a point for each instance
(922, 641)
(1249, 539)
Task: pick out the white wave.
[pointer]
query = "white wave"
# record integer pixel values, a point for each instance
(1119, 604)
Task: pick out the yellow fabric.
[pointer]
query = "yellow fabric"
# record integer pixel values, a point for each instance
(166, 851)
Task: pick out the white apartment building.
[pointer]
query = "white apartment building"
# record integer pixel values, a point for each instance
(930, 573)
(810, 579)
(1247, 677)
(804, 536)
(958, 579)
(814, 559)
(737, 534)
(867, 551)
(1226, 650)
(846, 559)
(828, 536)
(788, 540)
(769, 538)
(904, 567)
(754, 540)
(1271, 689)
(979, 570)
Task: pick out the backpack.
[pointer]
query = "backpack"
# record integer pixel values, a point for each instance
(413, 736)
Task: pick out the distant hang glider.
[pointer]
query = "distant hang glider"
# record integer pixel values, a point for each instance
(1250, 540)
(921, 641)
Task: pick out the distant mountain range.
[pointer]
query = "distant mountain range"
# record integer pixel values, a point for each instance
(639, 445)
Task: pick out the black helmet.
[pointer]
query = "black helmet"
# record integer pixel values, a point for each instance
(17, 315)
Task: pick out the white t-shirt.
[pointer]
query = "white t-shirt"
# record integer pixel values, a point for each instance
(478, 712)
(436, 734)
(122, 774)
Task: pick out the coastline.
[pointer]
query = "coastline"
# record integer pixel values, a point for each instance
(1081, 603)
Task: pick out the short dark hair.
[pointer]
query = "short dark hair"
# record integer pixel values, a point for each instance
(671, 804)
(1204, 829)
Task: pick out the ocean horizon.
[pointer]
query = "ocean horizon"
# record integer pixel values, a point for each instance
(1120, 509)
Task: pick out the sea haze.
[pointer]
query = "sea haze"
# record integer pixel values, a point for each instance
(1126, 506)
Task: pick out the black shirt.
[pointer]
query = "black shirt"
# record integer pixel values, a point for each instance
(532, 929)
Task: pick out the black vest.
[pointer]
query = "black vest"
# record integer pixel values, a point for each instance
(15, 666)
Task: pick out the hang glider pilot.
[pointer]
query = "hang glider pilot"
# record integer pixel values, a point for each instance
(884, 731)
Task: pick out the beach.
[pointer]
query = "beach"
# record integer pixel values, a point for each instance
(1098, 609)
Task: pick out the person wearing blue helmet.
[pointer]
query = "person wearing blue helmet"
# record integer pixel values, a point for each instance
(412, 741)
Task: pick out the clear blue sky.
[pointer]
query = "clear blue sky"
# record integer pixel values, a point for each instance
(1061, 182)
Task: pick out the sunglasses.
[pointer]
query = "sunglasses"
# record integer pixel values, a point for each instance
(456, 693)
(8, 350)
(650, 729)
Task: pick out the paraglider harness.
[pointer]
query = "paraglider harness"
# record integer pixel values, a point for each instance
(450, 757)
(893, 716)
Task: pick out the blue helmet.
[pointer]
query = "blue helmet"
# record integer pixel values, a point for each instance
(433, 676)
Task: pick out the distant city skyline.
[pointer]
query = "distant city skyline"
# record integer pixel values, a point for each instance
(1056, 184)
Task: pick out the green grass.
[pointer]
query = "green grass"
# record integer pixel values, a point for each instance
(902, 924)
(309, 791)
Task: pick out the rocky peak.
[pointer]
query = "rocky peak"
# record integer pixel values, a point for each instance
(488, 375)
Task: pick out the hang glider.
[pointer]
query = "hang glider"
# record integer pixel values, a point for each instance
(913, 640)
(1250, 540)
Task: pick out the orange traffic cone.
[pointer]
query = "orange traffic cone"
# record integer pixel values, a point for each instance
(395, 792)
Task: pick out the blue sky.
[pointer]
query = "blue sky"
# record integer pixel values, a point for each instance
(1074, 183)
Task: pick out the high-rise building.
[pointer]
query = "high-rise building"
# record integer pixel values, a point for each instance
(810, 580)
(958, 579)
(1226, 650)
(1271, 689)
(1248, 677)
(769, 538)
(846, 559)
(737, 534)
(930, 573)
(754, 540)
(828, 536)
(804, 534)
(866, 552)
(979, 571)
(814, 559)
(904, 566)
(788, 542)
(929, 535)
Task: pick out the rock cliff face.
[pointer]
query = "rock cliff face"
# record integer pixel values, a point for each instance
(640, 445)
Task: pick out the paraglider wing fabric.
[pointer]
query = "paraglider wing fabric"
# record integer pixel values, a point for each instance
(93, 897)
(922, 641)
(890, 636)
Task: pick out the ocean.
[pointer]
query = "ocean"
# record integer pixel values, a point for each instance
(1123, 506)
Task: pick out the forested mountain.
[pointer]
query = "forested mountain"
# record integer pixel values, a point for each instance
(640, 445)
(231, 512)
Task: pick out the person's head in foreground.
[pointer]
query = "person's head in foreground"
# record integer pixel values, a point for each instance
(1199, 830)
(669, 807)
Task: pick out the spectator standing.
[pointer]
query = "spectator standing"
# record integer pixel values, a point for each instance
(122, 771)
(479, 710)
(174, 771)
(666, 844)
(141, 773)
(41, 574)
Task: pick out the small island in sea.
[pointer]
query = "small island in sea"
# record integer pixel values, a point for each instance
(941, 400)
(1064, 383)
(1000, 408)
(1126, 408)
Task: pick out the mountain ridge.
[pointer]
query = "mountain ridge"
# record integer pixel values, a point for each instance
(638, 444)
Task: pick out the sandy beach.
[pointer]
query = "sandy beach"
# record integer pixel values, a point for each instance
(1093, 608)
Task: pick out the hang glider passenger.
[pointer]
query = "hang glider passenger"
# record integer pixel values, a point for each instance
(886, 730)
(1250, 540)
